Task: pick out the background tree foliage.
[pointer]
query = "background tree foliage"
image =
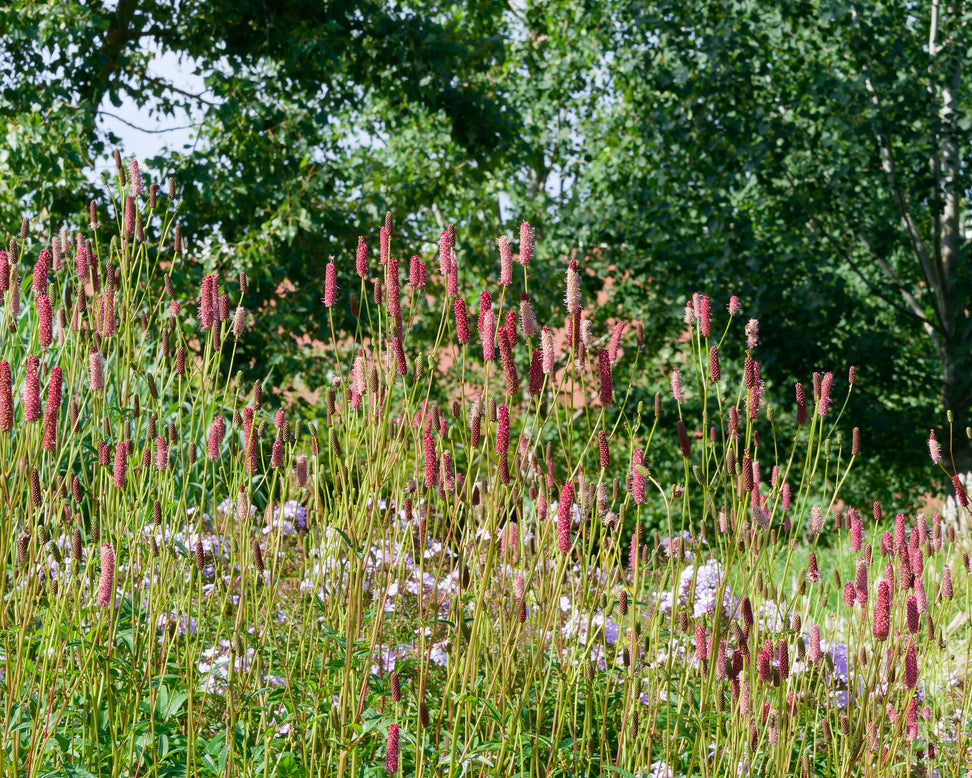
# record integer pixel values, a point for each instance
(810, 157)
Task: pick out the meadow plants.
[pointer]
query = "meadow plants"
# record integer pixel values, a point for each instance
(447, 569)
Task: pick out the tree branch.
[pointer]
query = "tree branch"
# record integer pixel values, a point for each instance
(127, 123)
(913, 309)
(931, 271)
(161, 84)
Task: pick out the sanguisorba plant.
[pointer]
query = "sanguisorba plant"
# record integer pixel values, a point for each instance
(197, 582)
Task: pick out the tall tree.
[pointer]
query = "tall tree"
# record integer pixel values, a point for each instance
(811, 156)
(297, 95)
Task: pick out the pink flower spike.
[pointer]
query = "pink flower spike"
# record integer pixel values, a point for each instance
(31, 391)
(606, 393)
(911, 666)
(330, 285)
(882, 612)
(509, 367)
(135, 178)
(384, 240)
(129, 217)
(488, 336)
(462, 321)
(527, 316)
(393, 299)
(81, 258)
(615, 341)
(215, 438)
(935, 449)
(547, 347)
(911, 721)
(51, 410)
(361, 258)
(913, 618)
(45, 321)
(850, 594)
(705, 316)
(860, 582)
(701, 648)
(431, 471)
(536, 372)
(676, 382)
(526, 244)
(38, 279)
(638, 480)
(506, 261)
(502, 430)
(161, 454)
(6, 397)
(814, 651)
(207, 301)
(106, 584)
(823, 405)
(445, 252)
(391, 750)
(118, 474)
(401, 364)
(801, 401)
(572, 298)
(752, 333)
(485, 304)
(960, 494)
(564, 539)
(452, 279)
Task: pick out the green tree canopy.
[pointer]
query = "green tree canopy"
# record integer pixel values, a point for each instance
(306, 109)
(807, 156)
(812, 158)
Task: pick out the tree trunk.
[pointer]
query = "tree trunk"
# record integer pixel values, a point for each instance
(957, 384)
(954, 299)
(118, 37)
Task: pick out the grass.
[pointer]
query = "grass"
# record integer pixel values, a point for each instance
(197, 583)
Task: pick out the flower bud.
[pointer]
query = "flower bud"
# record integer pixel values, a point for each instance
(801, 401)
(683, 439)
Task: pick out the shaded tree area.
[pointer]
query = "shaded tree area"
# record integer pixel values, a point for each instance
(305, 109)
(809, 158)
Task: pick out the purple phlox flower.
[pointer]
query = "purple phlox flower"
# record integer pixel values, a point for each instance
(386, 657)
